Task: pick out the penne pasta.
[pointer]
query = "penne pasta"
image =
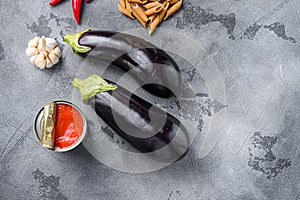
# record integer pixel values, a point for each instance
(150, 13)
(128, 6)
(153, 10)
(153, 24)
(164, 11)
(122, 3)
(144, 23)
(138, 1)
(173, 2)
(173, 9)
(151, 5)
(139, 11)
(151, 18)
(125, 11)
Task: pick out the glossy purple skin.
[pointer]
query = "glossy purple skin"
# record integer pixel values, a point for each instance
(110, 106)
(151, 66)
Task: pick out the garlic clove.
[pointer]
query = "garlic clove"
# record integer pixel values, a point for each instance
(40, 61)
(45, 53)
(33, 43)
(36, 39)
(49, 64)
(50, 43)
(53, 58)
(31, 51)
(39, 48)
(33, 58)
(57, 51)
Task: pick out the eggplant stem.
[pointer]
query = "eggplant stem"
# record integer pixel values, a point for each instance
(91, 86)
(72, 40)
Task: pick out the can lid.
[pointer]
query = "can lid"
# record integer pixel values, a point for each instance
(48, 125)
(38, 126)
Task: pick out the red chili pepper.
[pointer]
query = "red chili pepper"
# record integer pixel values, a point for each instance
(87, 1)
(54, 2)
(76, 5)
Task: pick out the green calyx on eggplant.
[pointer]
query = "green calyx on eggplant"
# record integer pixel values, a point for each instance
(152, 67)
(145, 126)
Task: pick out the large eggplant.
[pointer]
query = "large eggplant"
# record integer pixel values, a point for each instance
(146, 127)
(151, 66)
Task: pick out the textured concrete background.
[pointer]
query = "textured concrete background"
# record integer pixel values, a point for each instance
(255, 45)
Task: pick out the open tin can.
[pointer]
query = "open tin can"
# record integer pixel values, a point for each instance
(38, 126)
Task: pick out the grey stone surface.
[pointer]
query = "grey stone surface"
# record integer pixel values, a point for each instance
(255, 46)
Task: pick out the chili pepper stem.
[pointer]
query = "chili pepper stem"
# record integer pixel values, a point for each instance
(91, 86)
(72, 40)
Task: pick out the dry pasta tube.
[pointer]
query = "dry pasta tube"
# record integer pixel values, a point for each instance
(153, 10)
(173, 9)
(173, 2)
(128, 6)
(153, 25)
(125, 11)
(138, 1)
(122, 3)
(151, 5)
(139, 11)
(151, 18)
(139, 18)
(163, 11)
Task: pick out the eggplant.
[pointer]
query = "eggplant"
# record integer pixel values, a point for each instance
(152, 67)
(145, 126)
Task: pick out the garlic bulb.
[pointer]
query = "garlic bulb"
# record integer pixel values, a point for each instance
(43, 52)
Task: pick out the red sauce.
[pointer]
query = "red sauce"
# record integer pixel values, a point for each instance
(68, 126)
